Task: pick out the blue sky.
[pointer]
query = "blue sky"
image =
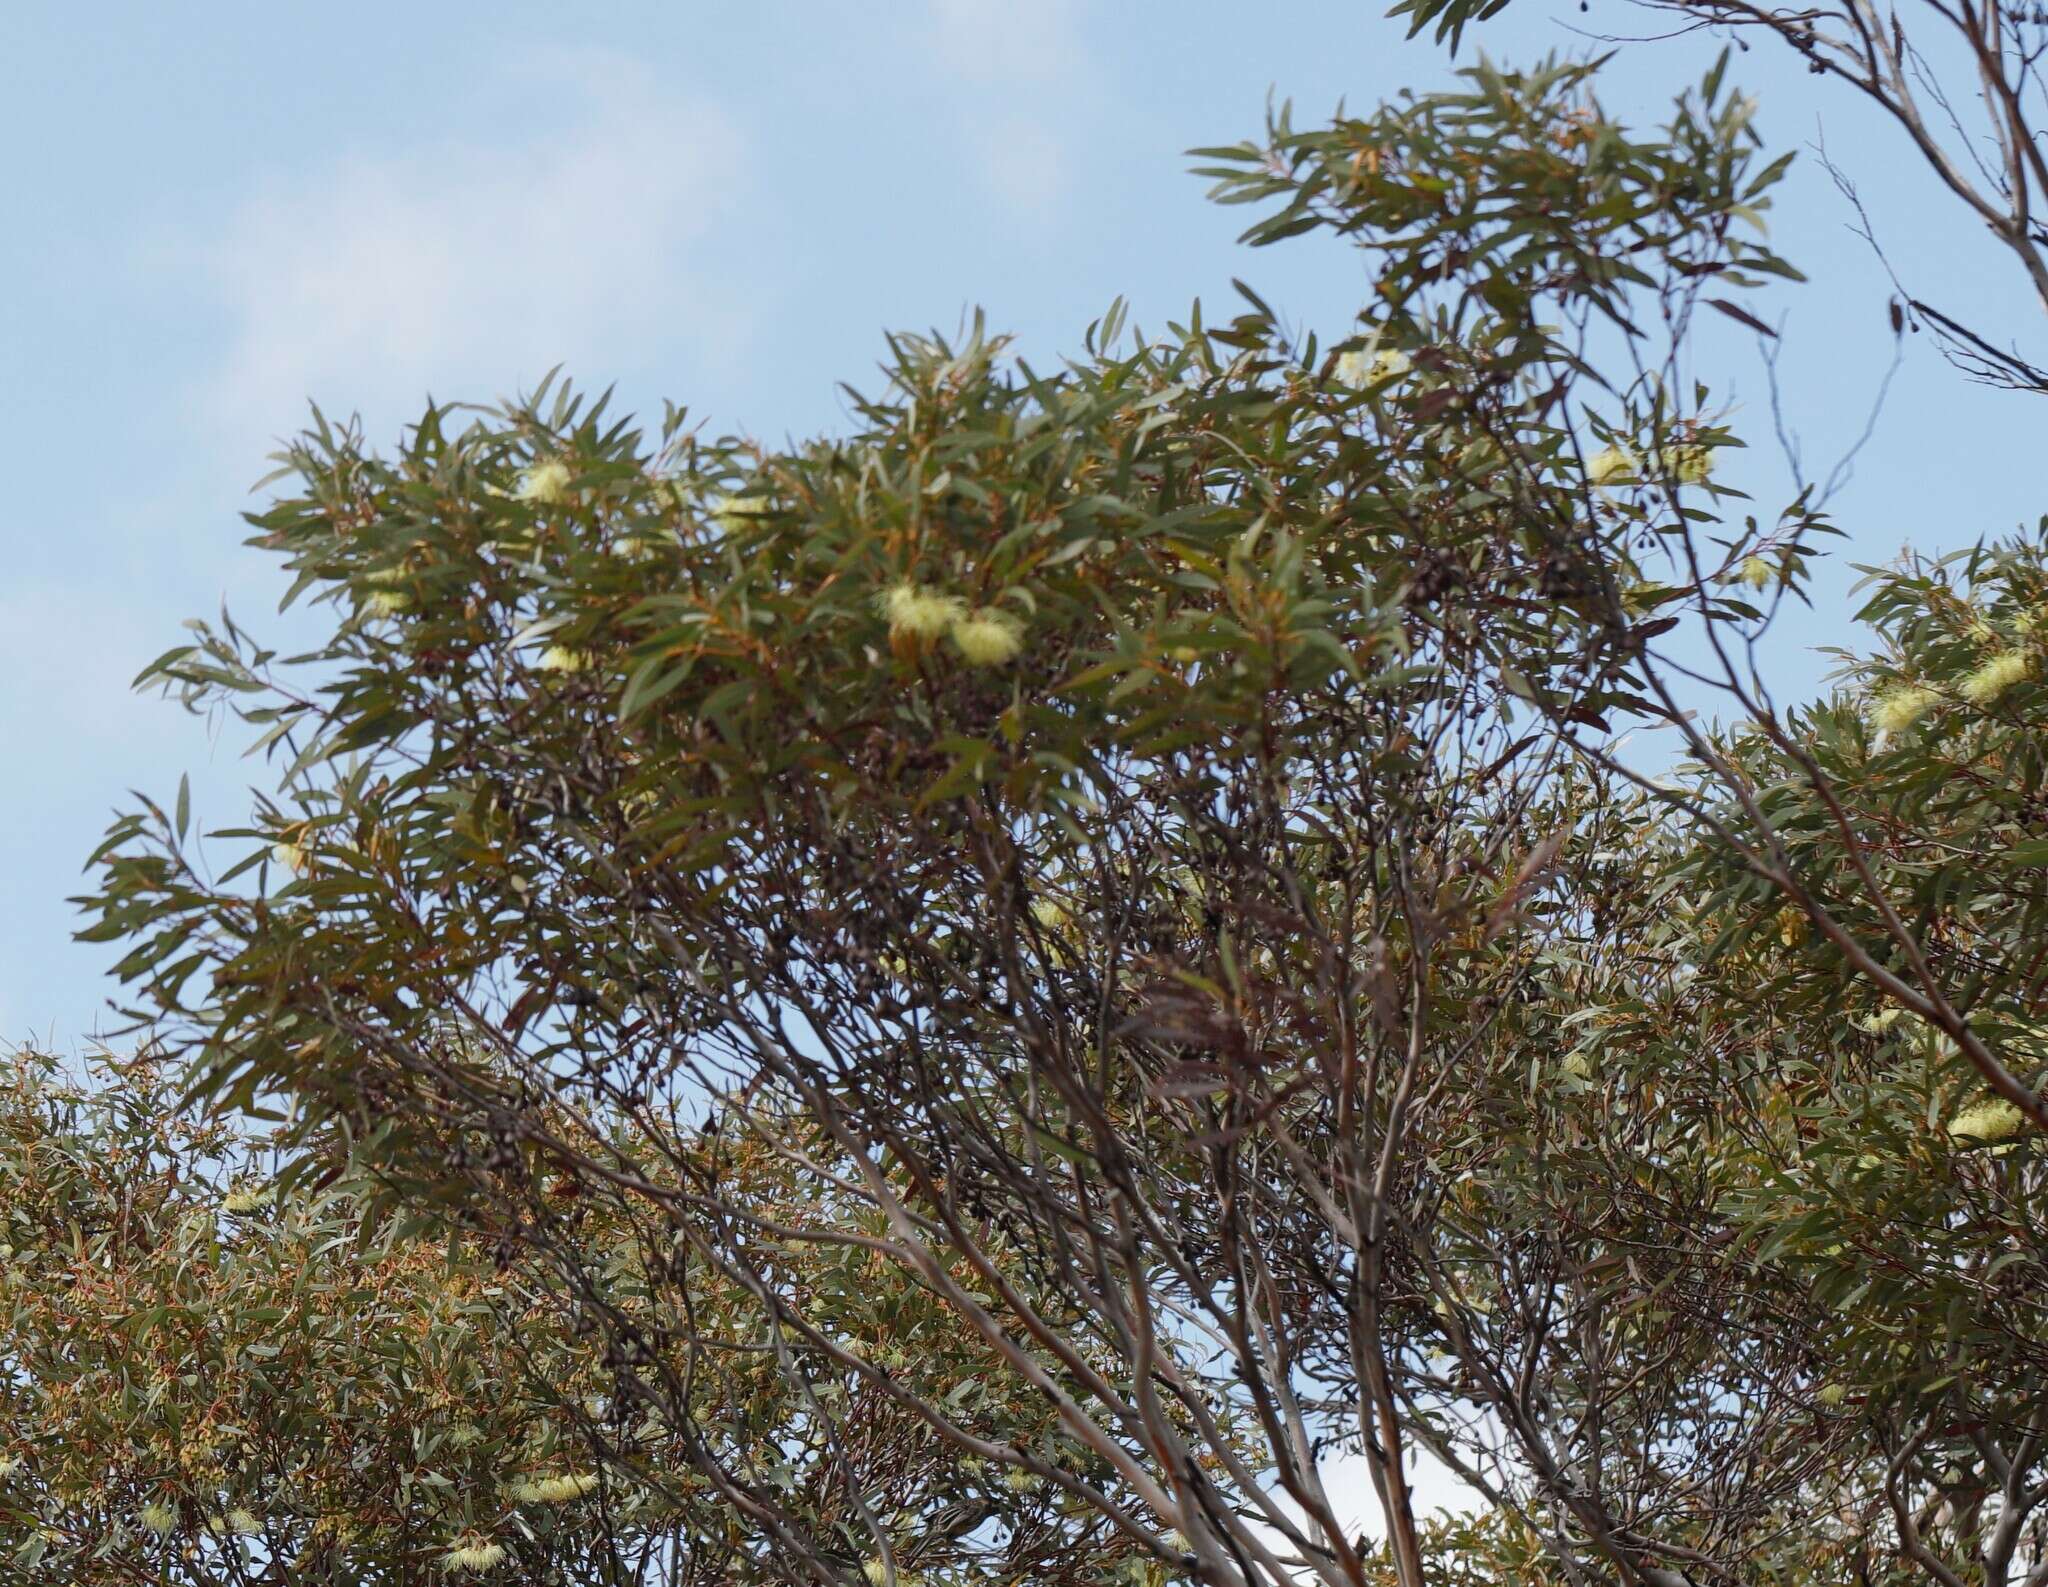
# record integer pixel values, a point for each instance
(220, 210)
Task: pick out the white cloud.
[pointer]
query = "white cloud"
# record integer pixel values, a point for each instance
(1021, 69)
(995, 40)
(1024, 161)
(470, 266)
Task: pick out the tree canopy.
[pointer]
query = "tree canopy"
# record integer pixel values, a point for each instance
(974, 997)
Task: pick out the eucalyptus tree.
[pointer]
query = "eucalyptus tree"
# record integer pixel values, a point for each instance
(1961, 90)
(1127, 869)
(217, 1374)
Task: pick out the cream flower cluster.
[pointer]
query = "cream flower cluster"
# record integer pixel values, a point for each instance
(562, 658)
(989, 638)
(552, 1490)
(245, 1199)
(733, 511)
(1611, 465)
(1899, 708)
(1988, 1121)
(915, 612)
(474, 1555)
(545, 484)
(985, 636)
(1993, 678)
(1690, 464)
(1359, 369)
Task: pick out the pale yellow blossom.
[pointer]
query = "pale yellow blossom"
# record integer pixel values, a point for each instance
(916, 611)
(553, 1490)
(159, 1519)
(1993, 1120)
(562, 658)
(734, 510)
(1050, 913)
(1756, 572)
(1997, 675)
(546, 484)
(988, 637)
(245, 1199)
(1689, 464)
(474, 1555)
(1899, 708)
(1359, 369)
(1611, 465)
